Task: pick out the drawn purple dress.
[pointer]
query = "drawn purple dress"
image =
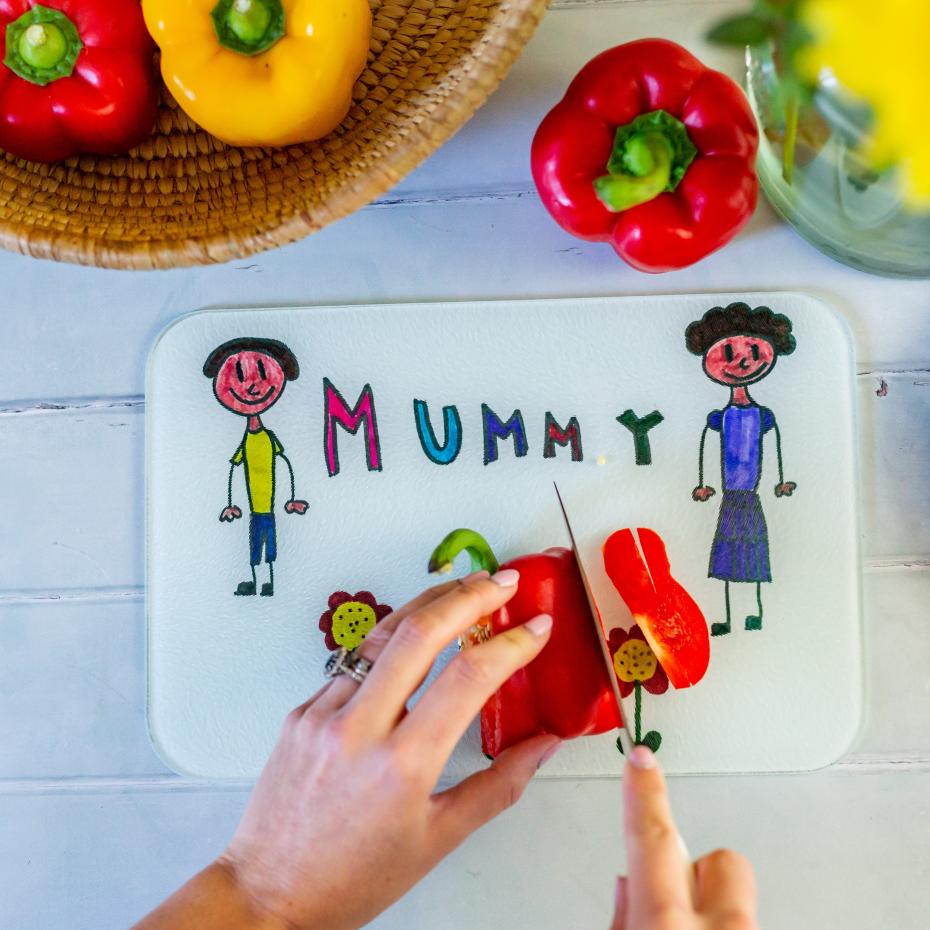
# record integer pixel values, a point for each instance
(740, 551)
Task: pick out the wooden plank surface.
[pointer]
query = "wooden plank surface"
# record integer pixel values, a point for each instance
(95, 830)
(833, 851)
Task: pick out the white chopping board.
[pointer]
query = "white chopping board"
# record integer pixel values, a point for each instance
(224, 669)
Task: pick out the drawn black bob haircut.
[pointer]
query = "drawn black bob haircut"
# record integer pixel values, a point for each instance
(740, 319)
(277, 350)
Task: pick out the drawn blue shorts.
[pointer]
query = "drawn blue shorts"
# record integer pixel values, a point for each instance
(262, 536)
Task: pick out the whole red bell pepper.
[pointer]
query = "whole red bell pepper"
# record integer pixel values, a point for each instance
(651, 151)
(77, 76)
(565, 690)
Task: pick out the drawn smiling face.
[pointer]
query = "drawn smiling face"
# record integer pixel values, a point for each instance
(249, 382)
(739, 360)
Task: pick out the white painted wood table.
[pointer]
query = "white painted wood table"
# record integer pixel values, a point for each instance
(95, 831)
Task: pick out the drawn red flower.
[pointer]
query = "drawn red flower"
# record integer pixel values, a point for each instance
(634, 661)
(636, 667)
(350, 618)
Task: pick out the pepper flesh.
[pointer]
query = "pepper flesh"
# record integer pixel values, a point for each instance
(565, 690)
(668, 616)
(296, 89)
(717, 193)
(77, 76)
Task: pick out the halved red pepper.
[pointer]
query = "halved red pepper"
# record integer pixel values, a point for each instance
(565, 690)
(77, 76)
(651, 151)
(668, 616)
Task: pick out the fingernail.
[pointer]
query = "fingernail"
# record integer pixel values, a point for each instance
(506, 578)
(642, 758)
(540, 625)
(548, 754)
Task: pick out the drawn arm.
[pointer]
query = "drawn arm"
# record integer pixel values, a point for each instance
(783, 488)
(230, 512)
(293, 505)
(702, 492)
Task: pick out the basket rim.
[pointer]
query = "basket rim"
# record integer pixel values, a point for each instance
(517, 19)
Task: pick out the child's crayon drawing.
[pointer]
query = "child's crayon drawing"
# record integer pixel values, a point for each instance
(249, 375)
(740, 347)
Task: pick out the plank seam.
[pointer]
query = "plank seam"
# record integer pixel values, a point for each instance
(136, 402)
(855, 764)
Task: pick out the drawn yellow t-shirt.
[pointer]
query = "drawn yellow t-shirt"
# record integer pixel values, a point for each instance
(257, 452)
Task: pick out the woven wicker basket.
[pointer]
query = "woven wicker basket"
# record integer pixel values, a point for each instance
(185, 198)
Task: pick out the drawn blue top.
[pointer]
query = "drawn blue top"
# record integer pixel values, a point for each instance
(741, 430)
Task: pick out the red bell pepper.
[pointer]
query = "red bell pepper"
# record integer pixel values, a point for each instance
(651, 151)
(565, 690)
(77, 76)
(671, 621)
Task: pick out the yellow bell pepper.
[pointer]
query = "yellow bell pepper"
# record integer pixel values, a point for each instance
(262, 72)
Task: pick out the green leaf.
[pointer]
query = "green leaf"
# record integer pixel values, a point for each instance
(745, 29)
(620, 745)
(653, 739)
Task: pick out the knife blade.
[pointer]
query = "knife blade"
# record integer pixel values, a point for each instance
(626, 739)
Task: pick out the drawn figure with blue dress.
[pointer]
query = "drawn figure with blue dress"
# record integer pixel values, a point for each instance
(740, 347)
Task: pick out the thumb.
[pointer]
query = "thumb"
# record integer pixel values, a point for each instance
(481, 797)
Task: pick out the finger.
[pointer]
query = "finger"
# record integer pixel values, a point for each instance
(620, 904)
(726, 885)
(450, 704)
(461, 810)
(418, 640)
(657, 876)
(338, 691)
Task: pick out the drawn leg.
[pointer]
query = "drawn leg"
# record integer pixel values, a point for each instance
(247, 587)
(721, 629)
(268, 586)
(255, 556)
(271, 553)
(755, 623)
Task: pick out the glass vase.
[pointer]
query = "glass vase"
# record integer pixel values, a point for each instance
(811, 169)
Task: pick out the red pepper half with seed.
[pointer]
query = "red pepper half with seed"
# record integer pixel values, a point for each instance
(668, 616)
(77, 76)
(650, 151)
(565, 690)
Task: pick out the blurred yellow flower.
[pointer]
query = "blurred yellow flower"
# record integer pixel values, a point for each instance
(880, 51)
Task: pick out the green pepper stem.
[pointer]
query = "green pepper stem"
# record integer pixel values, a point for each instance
(249, 27)
(649, 158)
(650, 155)
(42, 45)
(464, 540)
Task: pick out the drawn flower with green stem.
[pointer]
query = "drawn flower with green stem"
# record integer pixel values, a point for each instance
(637, 667)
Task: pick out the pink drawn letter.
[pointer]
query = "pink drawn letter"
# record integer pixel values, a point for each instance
(338, 413)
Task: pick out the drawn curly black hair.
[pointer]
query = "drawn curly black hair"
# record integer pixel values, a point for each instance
(277, 350)
(739, 319)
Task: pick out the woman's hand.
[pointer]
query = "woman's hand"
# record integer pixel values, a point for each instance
(657, 894)
(344, 818)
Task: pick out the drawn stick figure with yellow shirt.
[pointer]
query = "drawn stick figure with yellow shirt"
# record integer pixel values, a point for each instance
(249, 375)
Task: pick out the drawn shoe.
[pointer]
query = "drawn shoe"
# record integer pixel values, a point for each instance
(720, 629)
(753, 623)
(267, 589)
(245, 587)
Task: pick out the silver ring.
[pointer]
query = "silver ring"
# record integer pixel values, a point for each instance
(347, 662)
